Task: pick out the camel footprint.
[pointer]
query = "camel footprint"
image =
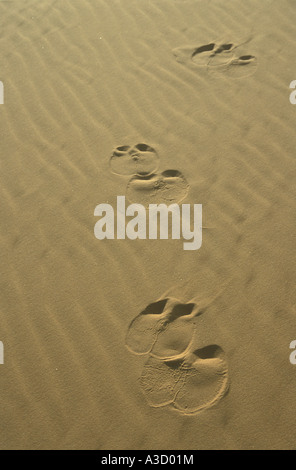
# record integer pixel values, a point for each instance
(237, 67)
(146, 186)
(168, 187)
(218, 58)
(138, 160)
(174, 375)
(189, 384)
(165, 329)
(200, 56)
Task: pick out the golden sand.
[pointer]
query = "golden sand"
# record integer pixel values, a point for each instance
(122, 344)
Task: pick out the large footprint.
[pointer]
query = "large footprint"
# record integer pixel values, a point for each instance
(165, 329)
(189, 384)
(169, 187)
(138, 160)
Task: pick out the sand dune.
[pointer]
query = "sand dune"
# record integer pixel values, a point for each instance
(122, 344)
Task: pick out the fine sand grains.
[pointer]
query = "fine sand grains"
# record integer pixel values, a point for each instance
(160, 101)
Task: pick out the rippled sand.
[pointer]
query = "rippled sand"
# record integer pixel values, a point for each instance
(139, 344)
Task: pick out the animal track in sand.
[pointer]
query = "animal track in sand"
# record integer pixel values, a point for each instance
(164, 330)
(218, 58)
(177, 374)
(200, 56)
(168, 187)
(138, 160)
(190, 384)
(238, 67)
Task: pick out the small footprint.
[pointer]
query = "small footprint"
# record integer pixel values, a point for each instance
(138, 160)
(189, 384)
(238, 67)
(200, 56)
(168, 187)
(165, 329)
(218, 59)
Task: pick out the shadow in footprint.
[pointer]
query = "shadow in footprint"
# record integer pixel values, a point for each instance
(192, 55)
(142, 332)
(168, 187)
(138, 160)
(201, 56)
(190, 384)
(218, 58)
(176, 333)
(165, 329)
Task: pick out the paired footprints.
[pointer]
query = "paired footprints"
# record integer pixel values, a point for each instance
(176, 374)
(218, 58)
(146, 185)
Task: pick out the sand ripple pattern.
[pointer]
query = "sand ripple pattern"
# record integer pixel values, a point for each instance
(81, 78)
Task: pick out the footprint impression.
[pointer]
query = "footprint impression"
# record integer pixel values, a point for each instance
(168, 187)
(175, 374)
(218, 58)
(146, 185)
(138, 160)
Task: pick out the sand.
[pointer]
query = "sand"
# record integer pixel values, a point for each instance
(203, 87)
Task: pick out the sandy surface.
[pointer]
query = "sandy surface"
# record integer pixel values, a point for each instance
(84, 368)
